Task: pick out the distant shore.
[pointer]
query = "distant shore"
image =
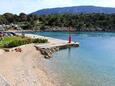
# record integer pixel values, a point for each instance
(62, 29)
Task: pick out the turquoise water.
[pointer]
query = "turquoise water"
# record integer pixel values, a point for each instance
(91, 64)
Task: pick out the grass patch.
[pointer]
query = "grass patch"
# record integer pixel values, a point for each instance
(13, 41)
(7, 40)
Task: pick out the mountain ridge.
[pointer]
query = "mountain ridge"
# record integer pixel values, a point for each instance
(76, 10)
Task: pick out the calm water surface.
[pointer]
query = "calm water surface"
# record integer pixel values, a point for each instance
(91, 64)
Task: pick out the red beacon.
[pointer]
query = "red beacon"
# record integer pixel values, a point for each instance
(69, 38)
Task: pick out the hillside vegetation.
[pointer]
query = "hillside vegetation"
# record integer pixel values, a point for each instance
(80, 22)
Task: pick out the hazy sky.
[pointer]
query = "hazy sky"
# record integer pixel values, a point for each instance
(28, 6)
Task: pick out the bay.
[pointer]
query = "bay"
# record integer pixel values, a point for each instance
(91, 64)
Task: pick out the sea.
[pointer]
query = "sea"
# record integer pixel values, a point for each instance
(90, 64)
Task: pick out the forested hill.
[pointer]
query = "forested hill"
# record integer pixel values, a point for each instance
(61, 22)
(76, 9)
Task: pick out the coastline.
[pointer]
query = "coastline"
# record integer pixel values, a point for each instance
(26, 68)
(58, 30)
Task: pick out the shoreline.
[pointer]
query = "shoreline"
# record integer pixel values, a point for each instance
(24, 68)
(27, 31)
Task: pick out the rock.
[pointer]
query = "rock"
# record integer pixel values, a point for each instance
(3, 82)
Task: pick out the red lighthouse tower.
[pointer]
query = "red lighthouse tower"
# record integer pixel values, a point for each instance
(69, 38)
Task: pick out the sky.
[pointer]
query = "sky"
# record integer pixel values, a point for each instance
(28, 6)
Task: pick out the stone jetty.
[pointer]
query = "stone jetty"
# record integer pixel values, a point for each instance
(52, 46)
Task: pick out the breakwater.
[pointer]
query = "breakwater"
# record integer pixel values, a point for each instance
(53, 45)
(48, 52)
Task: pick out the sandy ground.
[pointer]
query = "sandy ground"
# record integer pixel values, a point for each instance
(21, 68)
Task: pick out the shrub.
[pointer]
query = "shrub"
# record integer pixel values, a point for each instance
(15, 43)
(40, 40)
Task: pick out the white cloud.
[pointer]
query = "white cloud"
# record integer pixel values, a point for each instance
(106, 3)
(103, 3)
(57, 3)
